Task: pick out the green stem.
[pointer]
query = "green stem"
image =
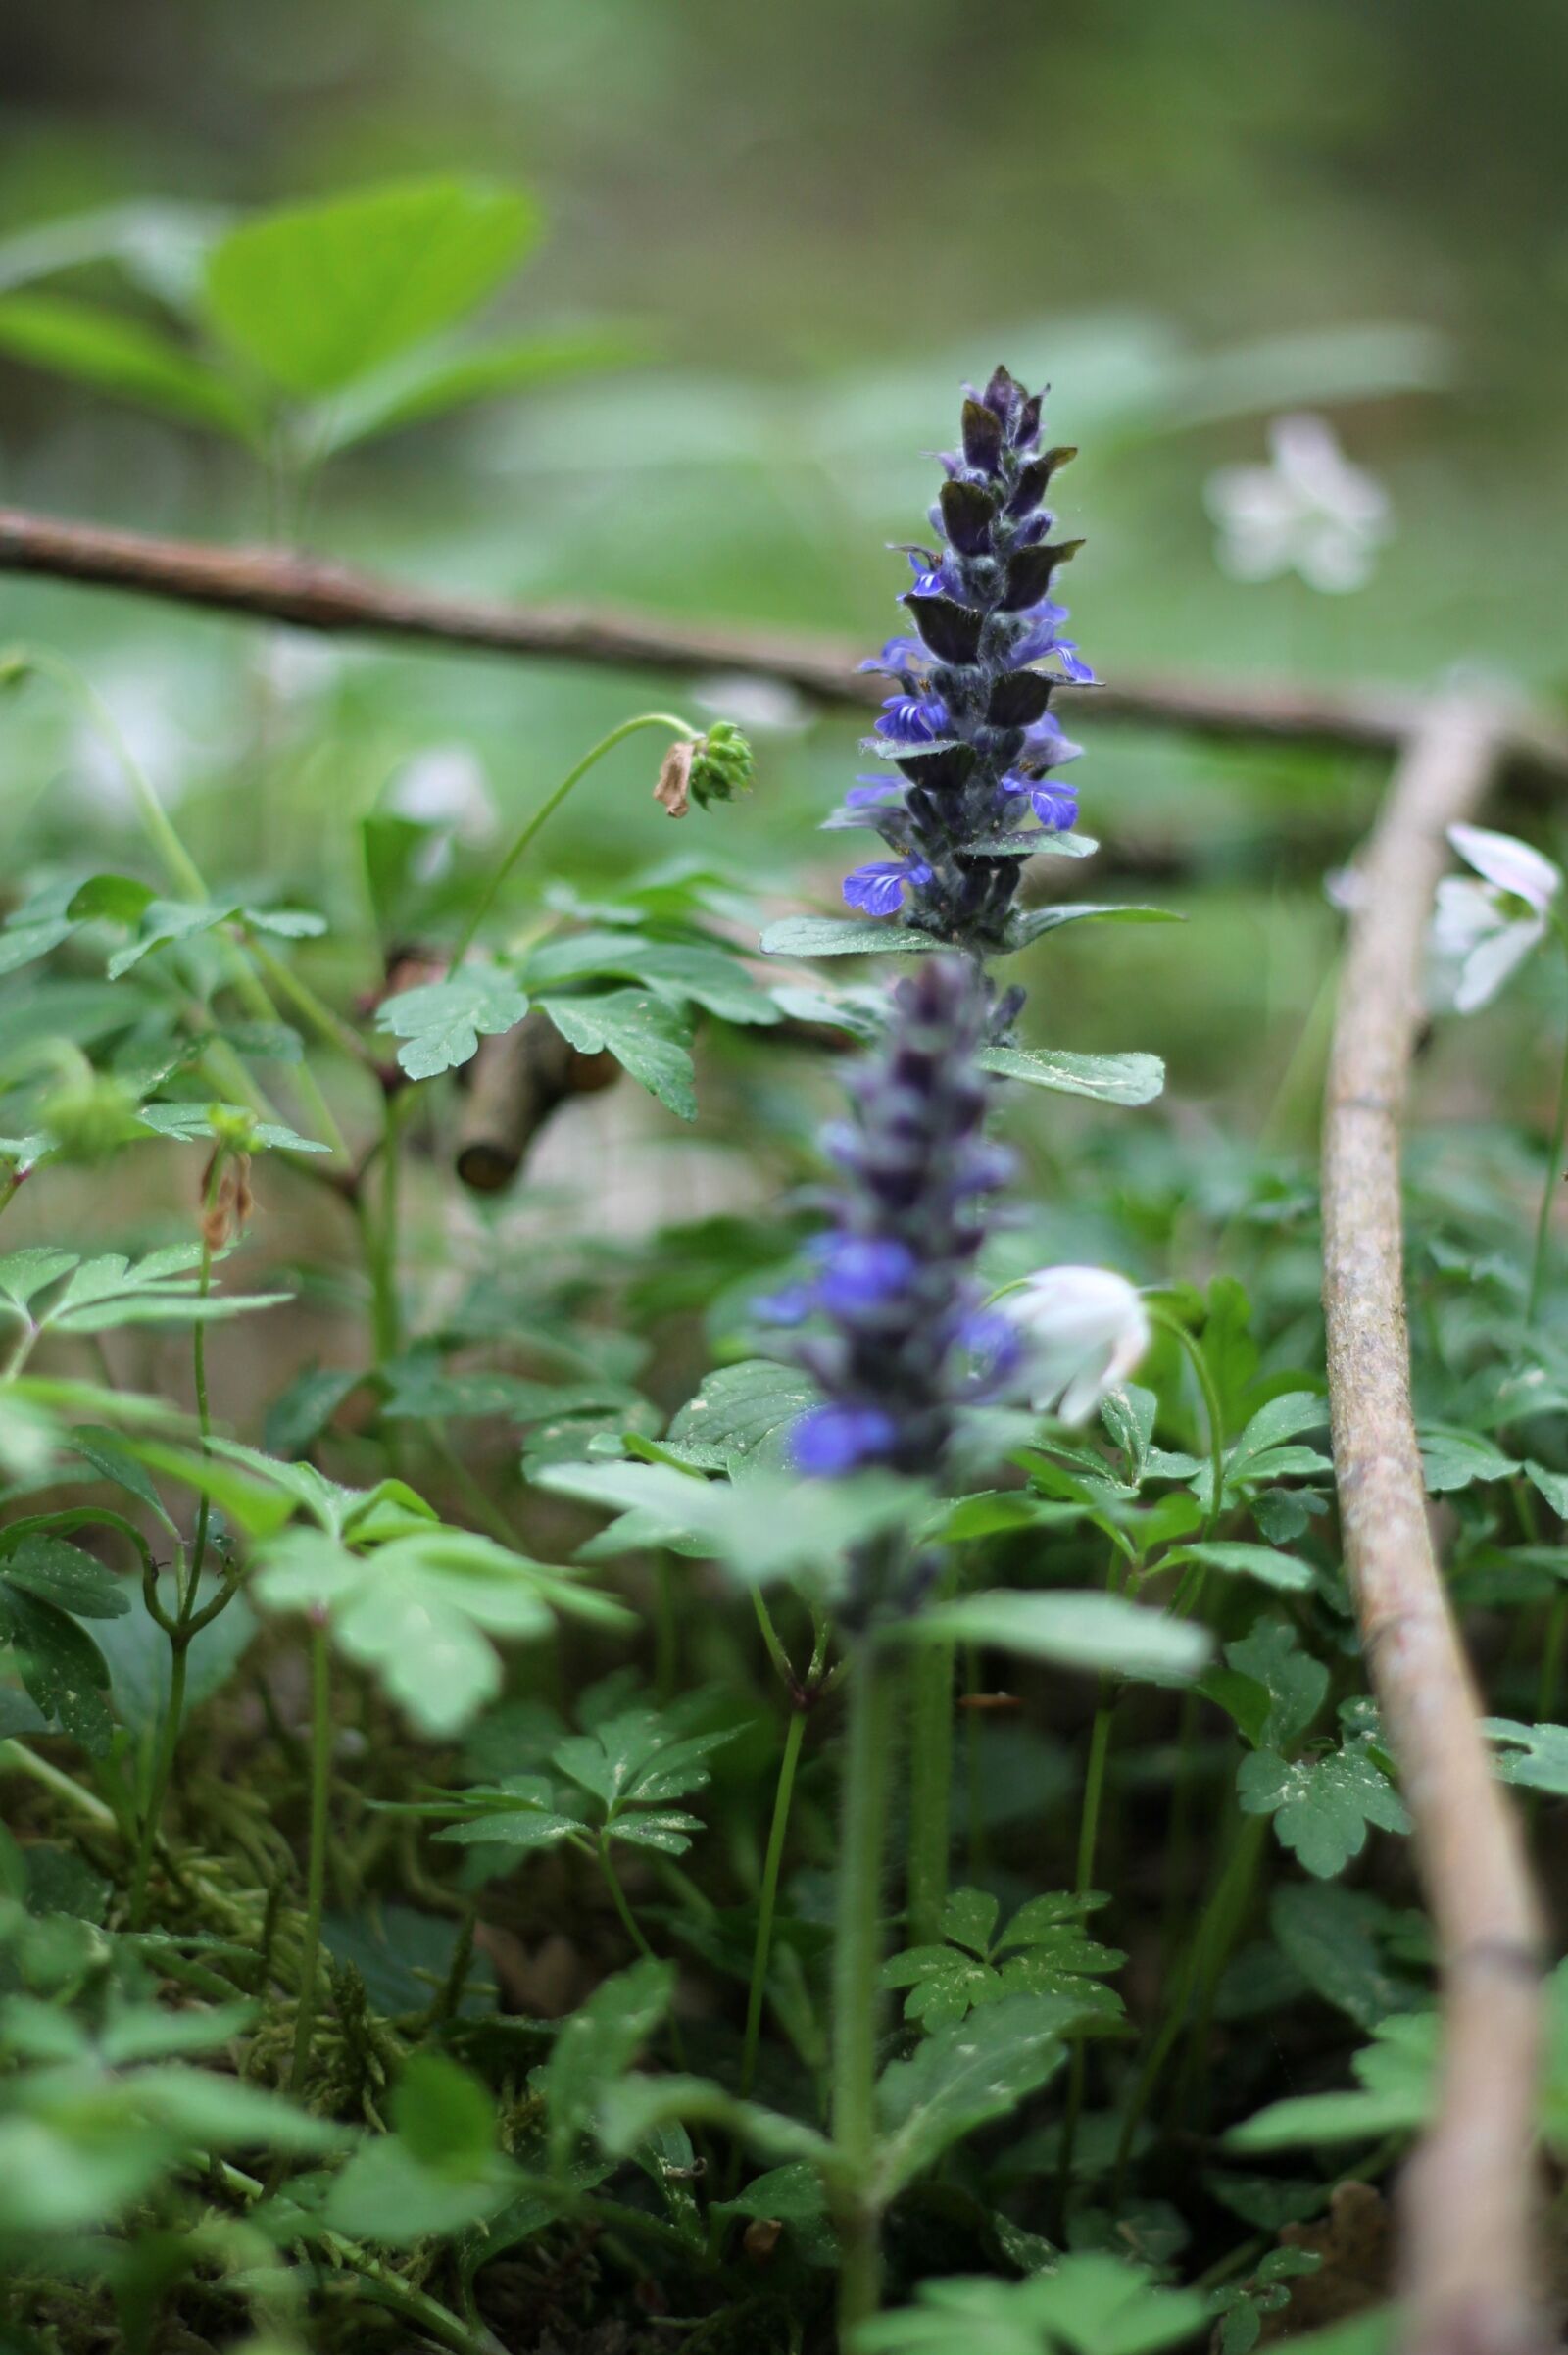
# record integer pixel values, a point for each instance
(628, 1920)
(316, 1862)
(163, 1769)
(1213, 1413)
(1211, 1933)
(1559, 1129)
(930, 1790)
(1088, 1842)
(382, 1243)
(330, 1028)
(55, 1779)
(488, 896)
(767, 1899)
(857, 1970)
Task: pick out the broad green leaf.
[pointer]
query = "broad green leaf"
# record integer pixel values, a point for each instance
(316, 295)
(634, 2108)
(1293, 1683)
(1086, 2304)
(1126, 1079)
(1035, 922)
(645, 1034)
(964, 2076)
(1265, 1563)
(768, 1527)
(1072, 1629)
(62, 1574)
(387, 2196)
(61, 1666)
(419, 1611)
(1328, 1933)
(1454, 1458)
(845, 936)
(1398, 2074)
(163, 923)
(444, 2116)
(441, 1022)
(597, 2046)
(1554, 1486)
(109, 1457)
(742, 1417)
(115, 353)
(682, 971)
(431, 383)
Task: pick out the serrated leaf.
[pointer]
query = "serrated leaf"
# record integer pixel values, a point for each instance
(1321, 1806)
(1295, 1684)
(63, 1575)
(683, 973)
(1086, 2304)
(1455, 1458)
(441, 1022)
(645, 1034)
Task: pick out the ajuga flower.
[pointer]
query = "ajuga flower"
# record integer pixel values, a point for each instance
(897, 1338)
(968, 732)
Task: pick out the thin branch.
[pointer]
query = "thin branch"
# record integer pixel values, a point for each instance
(1468, 2258)
(274, 585)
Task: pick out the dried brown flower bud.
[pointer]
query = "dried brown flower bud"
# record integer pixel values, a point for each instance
(674, 790)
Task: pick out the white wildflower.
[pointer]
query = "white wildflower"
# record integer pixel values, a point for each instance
(1084, 1328)
(1308, 511)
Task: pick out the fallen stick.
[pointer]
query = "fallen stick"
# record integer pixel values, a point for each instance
(272, 584)
(1468, 2261)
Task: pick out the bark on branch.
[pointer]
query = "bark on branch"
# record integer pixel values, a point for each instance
(1468, 2260)
(272, 584)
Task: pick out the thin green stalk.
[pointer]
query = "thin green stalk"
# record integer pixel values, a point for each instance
(315, 1860)
(768, 1897)
(1559, 1129)
(1213, 1413)
(488, 896)
(857, 1970)
(163, 1769)
(628, 1920)
(1083, 1882)
(55, 1779)
(1235, 1872)
(381, 1243)
(930, 1839)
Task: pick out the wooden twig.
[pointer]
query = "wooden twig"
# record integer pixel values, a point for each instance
(1468, 2263)
(516, 1081)
(275, 586)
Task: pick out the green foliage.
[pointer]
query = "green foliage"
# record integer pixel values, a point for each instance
(1087, 2305)
(1043, 1951)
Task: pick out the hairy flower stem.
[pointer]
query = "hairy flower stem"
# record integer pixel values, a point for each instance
(548, 807)
(874, 1692)
(1559, 1130)
(1084, 1881)
(381, 1241)
(930, 1790)
(315, 1857)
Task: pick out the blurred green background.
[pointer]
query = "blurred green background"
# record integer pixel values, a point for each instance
(806, 225)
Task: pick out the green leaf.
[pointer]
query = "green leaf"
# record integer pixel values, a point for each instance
(164, 922)
(63, 1575)
(1327, 1932)
(420, 1611)
(1072, 1629)
(1046, 1952)
(115, 353)
(1321, 1806)
(1293, 1683)
(1398, 2073)
(1035, 922)
(1536, 1756)
(1454, 1458)
(431, 383)
(1265, 1563)
(1109, 1078)
(1087, 2304)
(61, 1666)
(766, 1528)
(441, 1022)
(316, 295)
(1554, 1486)
(684, 973)
(645, 1035)
(164, 1287)
(111, 1458)
(444, 2116)
(742, 1417)
(596, 2046)
(845, 936)
(387, 2196)
(964, 2076)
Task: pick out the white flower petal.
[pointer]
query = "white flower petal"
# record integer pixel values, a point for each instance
(1510, 864)
(1489, 965)
(1086, 1328)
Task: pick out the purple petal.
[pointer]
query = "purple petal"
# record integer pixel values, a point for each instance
(860, 1270)
(835, 1439)
(1056, 805)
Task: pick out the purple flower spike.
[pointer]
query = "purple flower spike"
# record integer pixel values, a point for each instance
(1056, 805)
(840, 1439)
(913, 719)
